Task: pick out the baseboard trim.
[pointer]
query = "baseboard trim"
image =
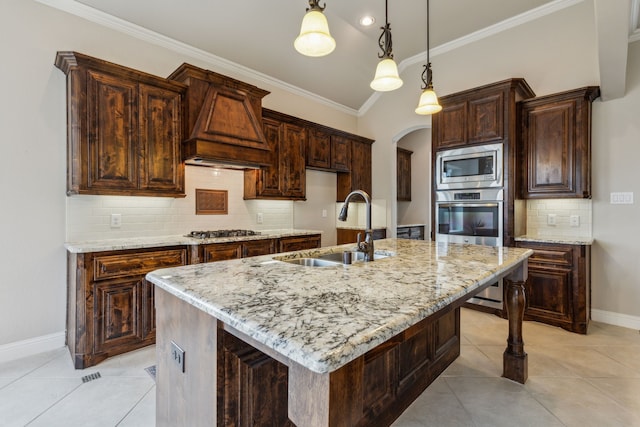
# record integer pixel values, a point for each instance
(617, 319)
(20, 349)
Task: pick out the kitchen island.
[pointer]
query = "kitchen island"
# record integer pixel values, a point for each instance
(260, 341)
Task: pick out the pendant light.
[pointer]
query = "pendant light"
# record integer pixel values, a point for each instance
(386, 77)
(428, 103)
(314, 38)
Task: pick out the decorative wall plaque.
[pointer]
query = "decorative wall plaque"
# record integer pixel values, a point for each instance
(211, 202)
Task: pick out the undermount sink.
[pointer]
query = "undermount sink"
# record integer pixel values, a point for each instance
(311, 262)
(332, 259)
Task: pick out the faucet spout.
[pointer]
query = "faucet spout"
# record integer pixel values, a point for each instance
(367, 245)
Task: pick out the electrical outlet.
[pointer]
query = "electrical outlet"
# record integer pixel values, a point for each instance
(177, 355)
(574, 220)
(551, 219)
(116, 220)
(259, 218)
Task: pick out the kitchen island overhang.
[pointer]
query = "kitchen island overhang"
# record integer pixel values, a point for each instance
(323, 325)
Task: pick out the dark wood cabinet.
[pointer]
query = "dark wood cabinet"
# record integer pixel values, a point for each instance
(479, 116)
(124, 129)
(556, 145)
(483, 115)
(359, 177)
(234, 250)
(559, 285)
(111, 305)
(253, 387)
(413, 232)
(350, 235)
(403, 172)
(327, 150)
(285, 177)
(299, 243)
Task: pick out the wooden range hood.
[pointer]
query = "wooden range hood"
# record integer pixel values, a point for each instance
(223, 125)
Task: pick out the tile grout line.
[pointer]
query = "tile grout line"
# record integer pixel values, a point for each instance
(136, 404)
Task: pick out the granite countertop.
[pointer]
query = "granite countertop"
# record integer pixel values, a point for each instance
(324, 317)
(174, 240)
(566, 240)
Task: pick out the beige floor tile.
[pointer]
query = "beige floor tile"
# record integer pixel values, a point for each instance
(586, 361)
(472, 363)
(625, 391)
(436, 407)
(101, 402)
(577, 403)
(20, 367)
(627, 355)
(144, 413)
(24, 400)
(499, 402)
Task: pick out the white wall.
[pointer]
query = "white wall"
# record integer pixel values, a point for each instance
(418, 210)
(321, 197)
(33, 149)
(554, 53)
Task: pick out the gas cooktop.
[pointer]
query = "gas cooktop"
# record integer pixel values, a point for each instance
(222, 233)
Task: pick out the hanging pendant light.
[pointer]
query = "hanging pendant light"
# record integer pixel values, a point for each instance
(428, 103)
(314, 38)
(386, 77)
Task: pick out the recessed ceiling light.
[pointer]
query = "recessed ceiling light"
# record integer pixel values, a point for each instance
(367, 21)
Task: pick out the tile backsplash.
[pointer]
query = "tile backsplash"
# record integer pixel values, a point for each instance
(89, 217)
(538, 212)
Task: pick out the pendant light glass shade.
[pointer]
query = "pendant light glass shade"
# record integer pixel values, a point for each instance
(386, 77)
(428, 103)
(314, 39)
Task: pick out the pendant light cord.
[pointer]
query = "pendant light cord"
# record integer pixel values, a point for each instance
(428, 29)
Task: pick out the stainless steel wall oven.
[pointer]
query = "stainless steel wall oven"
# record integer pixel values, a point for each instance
(474, 216)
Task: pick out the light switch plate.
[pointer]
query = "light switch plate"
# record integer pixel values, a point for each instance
(621, 198)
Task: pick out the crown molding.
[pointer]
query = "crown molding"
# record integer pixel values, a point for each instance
(125, 27)
(507, 24)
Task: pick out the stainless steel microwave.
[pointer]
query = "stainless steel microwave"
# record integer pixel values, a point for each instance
(478, 166)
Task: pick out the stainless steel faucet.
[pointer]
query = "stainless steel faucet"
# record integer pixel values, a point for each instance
(367, 246)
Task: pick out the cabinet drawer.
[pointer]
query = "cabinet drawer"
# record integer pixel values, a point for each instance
(112, 266)
(556, 254)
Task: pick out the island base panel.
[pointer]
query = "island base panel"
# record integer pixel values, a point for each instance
(228, 382)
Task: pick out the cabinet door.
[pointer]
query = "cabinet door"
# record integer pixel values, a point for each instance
(298, 243)
(112, 135)
(403, 172)
(548, 294)
(318, 149)
(160, 117)
(148, 318)
(258, 247)
(549, 144)
(116, 315)
(221, 251)
(268, 178)
(292, 167)
(359, 178)
(486, 118)
(450, 125)
(340, 153)
(556, 149)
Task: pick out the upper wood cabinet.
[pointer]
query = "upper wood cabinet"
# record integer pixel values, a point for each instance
(478, 116)
(285, 177)
(359, 177)
(403, 171)
(124, 129)
(556, 145)
(326, 151)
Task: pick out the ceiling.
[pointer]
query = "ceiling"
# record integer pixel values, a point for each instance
(258, 35)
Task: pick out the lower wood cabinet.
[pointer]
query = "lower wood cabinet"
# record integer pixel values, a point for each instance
(253, 388)
(299, 243)
(559, 284)
(350, 235)
(111, 305)
(414, 232)
(233, 250)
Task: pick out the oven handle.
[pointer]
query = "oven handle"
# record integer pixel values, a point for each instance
(468, 205)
